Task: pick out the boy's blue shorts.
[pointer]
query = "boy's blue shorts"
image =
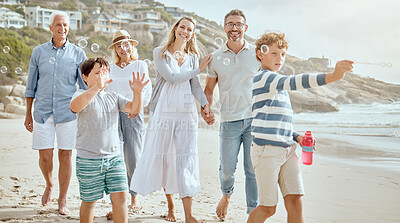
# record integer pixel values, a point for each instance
(97, 176)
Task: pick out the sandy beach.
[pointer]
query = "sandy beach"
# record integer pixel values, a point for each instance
(337, 190)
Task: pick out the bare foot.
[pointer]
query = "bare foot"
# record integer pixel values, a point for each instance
(193, 220)
(170, 216)
(46, 195)
(63, 209)
(109, 215)
(134, 207)
(222, 208)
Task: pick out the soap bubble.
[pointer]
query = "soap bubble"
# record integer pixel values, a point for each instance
(123, 64)
(126, 45)
(226, 61)
(218, 57)
(264, 49)
(52, 60)
(178, 54)
(148, 62)
(3, 69)
(18, 70)
(6, 49)
(82, 43)
(95, 47)
(218, 42)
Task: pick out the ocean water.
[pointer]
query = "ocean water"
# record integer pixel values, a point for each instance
(374, 128)
(381, 120)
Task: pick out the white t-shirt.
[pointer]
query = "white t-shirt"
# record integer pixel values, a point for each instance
(121, 77)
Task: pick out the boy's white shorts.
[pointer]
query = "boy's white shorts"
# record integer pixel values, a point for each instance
(276, 165)
(44, 134)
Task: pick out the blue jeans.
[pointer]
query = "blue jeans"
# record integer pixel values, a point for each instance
(231, 135)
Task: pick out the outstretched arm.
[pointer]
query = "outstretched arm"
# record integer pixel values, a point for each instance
(276, 82)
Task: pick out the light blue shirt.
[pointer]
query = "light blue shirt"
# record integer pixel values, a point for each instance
(52, 78)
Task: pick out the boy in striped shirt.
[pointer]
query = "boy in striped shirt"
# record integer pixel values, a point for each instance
(273, 152)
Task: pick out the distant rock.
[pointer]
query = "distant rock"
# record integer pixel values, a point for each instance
(15, 109)
(12, 100)
(24, 79)
(4, 115)
(5, 90)
(18, 90)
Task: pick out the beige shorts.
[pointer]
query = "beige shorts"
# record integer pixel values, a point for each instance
(276, 165)
(44, 134)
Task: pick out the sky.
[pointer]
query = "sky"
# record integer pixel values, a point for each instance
(359, 30)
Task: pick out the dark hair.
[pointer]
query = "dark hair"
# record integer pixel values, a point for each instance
(235, 12)
(88, 64)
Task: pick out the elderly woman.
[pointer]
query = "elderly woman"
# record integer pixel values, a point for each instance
(131, 130)
(170, 157)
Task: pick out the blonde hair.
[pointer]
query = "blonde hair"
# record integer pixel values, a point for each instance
(271, 38)
(133, 55)
(191, 46)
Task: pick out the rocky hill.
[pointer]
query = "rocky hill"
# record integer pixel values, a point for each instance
(352, 89)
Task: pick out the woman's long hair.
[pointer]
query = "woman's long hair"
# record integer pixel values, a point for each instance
(191, 46)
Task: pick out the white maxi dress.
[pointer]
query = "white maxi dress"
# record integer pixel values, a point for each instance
(170, 156)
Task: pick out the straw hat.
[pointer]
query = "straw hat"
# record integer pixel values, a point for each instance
(120, 36)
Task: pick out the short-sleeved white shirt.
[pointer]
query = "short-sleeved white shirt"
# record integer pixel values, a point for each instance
(235, 73)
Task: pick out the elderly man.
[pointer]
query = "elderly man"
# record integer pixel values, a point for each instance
(233, 68)
(53, 74)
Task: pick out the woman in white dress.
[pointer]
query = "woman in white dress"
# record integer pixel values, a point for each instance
(131, 130)
(170, 157)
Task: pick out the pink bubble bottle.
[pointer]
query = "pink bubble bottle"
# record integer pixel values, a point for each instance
(308, 148)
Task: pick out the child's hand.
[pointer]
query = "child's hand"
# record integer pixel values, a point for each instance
(342, 67)
(299, 140)
(137, 84)
(104, 79)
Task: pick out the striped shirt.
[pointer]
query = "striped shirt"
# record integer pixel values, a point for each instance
(272, 111)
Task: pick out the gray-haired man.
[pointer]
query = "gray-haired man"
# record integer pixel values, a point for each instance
(53, 74)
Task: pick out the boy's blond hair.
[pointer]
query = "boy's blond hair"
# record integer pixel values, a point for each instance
(271, 38)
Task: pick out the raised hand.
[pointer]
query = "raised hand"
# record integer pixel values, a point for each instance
(104, 79)
(137, 84)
